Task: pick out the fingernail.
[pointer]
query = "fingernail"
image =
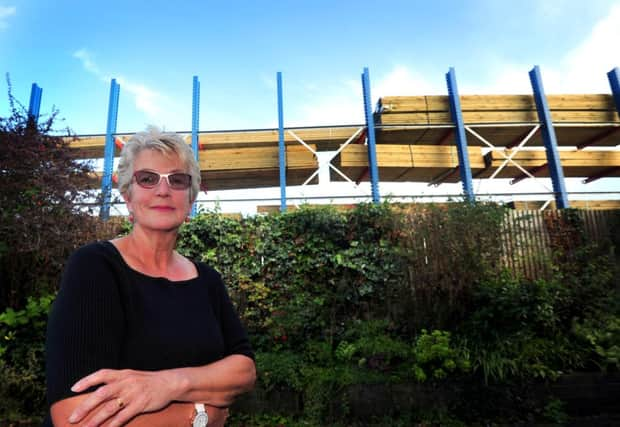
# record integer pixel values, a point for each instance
(73, 418)
(75, 387)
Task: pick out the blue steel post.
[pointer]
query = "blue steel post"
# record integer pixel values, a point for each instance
(614, 82)
(549, 139)
(370, 126)
(461, 139)
(108, 161)
(35, 102)
(195, 124)
(281, 146)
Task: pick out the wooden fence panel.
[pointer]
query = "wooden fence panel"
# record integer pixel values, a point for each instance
(529, 237)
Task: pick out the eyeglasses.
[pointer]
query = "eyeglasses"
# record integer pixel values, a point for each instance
(176, 181)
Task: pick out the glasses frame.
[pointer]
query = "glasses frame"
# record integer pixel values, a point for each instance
(161, 175)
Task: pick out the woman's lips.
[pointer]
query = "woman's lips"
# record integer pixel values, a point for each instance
(163, 208)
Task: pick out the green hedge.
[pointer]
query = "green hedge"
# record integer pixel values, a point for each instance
(383, 294)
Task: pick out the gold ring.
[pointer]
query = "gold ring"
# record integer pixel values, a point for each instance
(119, 402)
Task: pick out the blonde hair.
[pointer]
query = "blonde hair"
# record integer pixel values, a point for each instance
(169, 144)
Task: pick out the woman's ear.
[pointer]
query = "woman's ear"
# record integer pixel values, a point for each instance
(127, 198)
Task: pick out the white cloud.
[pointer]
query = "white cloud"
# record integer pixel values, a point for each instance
(87, 62)
(340, 105)
(344, 104)
(584, 67)
(581, 69)
(6, 12)
(404, 82)
(145, 99)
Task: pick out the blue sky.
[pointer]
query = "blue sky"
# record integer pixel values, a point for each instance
(73, 48)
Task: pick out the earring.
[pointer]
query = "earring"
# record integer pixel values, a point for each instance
(187, 219)
(130, 217)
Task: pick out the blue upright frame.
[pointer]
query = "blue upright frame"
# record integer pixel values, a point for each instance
(108, 161)
(549, 139)
(460, 137)
(370, 126)
(195, 125)
(35, 102)
(614, 82)
(281, 146)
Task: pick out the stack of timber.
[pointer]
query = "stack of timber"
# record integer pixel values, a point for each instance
(324, 138)
(435, 110)
(575, 163)
(234, 168)
(500, 119)
(415, 142)
(255, 167)
(590, 205)
(405, 162)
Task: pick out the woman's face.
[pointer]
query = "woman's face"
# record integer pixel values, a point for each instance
(158, 208)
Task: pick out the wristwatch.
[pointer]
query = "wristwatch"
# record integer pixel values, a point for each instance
(201, 418)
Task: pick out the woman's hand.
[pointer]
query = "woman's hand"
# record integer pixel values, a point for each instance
(123, 395)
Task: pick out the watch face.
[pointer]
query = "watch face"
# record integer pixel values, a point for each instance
(200, 420)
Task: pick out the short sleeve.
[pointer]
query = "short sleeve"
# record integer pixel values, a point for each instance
(234, 334)
(86, 324)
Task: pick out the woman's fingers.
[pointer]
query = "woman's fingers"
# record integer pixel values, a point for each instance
(99, 396)
(142, 391)
(106, 411)
(98, 377)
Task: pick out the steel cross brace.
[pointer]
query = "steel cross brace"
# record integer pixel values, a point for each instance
(329, 161)
(509, 158)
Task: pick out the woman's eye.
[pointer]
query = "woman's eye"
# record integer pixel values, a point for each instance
(176, 180)
(148, 179)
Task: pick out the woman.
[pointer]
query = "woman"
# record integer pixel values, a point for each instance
(139, 334)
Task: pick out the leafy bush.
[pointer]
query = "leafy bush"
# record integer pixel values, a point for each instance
(41, 180)
(603, 338)
(337, 299)
(435, 358)
(22, 339)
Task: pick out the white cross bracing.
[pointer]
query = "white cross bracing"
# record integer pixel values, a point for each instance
(509, 158)
(328, 162)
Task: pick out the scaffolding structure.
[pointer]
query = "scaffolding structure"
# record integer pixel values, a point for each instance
(428, 139)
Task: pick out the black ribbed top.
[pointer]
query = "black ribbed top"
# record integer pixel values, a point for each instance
(108, 315)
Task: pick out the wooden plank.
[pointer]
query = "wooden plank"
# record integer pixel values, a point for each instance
(577, 204)
(584, 102)
(323, 137)
(470, 117)
(297, 157)
(607, 158)
(405, 163)
(235, 179)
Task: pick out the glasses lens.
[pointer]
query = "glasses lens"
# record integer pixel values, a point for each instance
(147, 179)
(179, 181)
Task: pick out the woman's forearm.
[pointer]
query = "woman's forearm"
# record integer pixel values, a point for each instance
(216, 384)
(122, 395)
(178, 414)
(175, 414)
